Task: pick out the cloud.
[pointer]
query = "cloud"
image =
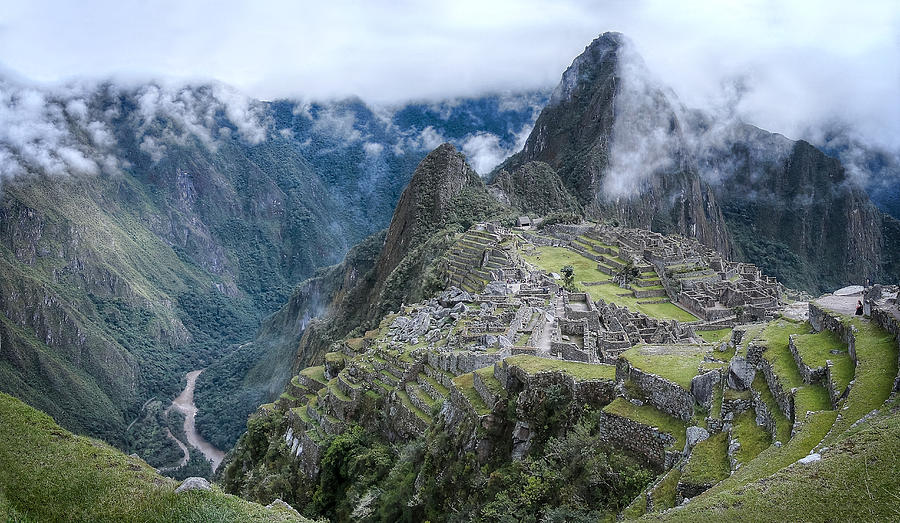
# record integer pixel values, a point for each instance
(802, 65)
(62, 130)
(484, 150)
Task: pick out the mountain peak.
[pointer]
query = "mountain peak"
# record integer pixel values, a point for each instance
(599, 58)
(426, 201)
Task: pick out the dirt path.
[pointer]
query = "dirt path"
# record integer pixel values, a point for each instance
(185, 403)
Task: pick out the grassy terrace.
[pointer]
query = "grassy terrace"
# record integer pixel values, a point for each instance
(708, 463)
(782, 424)
(649, 415)
(487, 377)
(876, 354)
(663, 495)
(753, 438)
(678, 363)
(442, 390)
(775, 338)
(715, 336)
(815, 350)
(50, 474)
(404, 398)
(553, 259)
(851, 483)
(580, 371)
(316, 373)
(464, 384)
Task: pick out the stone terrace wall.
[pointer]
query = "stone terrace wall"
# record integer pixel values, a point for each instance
(665, 395)
(888, 322)
(461, 362)
(597, 392)
(821, 320)
(809, 374)
(638, 438)
(783, 398)
(764, 418)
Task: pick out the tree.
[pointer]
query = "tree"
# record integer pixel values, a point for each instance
(568, 274)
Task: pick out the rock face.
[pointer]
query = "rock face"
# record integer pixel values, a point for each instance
(614, 138)
(794, 210)
(534, 188)
(426, 202)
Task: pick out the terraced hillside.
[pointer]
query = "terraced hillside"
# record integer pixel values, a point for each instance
(483, 383)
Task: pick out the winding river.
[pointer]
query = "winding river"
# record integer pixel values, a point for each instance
(185, 404)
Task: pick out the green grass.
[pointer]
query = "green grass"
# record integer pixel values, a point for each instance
(773, 458)
(316, 373)
(715, 336)
(753, 438)
(815, 350)
(50, 474)
(810, 398)
(708, 463)
(336, 391)
(876, 354)
(782, 424)
(464, 384)
(487, 377)
(553, 259)
(664, 493)
(580, 371)
(715, 410)
(680, 364)
(404, 398)
(442, 390)
(775, 338)
(649, 415)
(855, 481)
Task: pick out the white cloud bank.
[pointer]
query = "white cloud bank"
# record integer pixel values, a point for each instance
(802, 65)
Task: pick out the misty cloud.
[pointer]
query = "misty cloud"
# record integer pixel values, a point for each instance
(43, 129)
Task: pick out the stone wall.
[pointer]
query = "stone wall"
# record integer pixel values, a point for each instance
(596, 393)
(461, 362)
(783, 398)
(640, 439)
(764, 418)
(821, 320)
(809, 374)
(887, 321)
(665, 395)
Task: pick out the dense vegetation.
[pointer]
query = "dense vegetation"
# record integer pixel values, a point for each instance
(571, 476)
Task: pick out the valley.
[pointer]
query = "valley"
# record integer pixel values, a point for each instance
(590, 303)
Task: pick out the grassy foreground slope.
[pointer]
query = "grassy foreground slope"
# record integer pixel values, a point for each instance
(856, 480)
(50, 474)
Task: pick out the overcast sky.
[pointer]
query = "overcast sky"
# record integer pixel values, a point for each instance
(799, 63)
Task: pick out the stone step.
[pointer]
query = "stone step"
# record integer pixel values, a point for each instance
(418, 397)
(435, 390)
(441, 376)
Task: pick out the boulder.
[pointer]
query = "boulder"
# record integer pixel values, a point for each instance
(521, 439)
(740, 373)
(695, 435)
(193, 483)
(454, 296)
(280, 505)
(702, 387)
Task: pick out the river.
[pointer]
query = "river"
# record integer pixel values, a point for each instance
(185, 404)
